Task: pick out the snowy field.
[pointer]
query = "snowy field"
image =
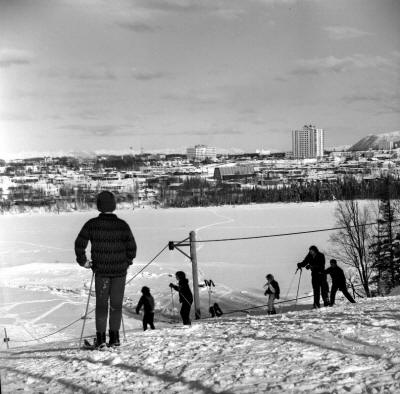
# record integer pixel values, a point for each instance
(350, 348)
(43, 289)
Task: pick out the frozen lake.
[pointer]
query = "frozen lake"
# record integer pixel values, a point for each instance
(49, 239)
(37, 255)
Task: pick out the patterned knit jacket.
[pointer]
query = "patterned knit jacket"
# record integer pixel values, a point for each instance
(113, 246)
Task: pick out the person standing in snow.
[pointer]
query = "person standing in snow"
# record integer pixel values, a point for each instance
(185, 296)
(273, 292)
(338, 282)
(147, 301)
(113, 248)
(315, 261)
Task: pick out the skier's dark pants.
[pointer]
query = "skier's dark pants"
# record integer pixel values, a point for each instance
(113, 289)
(148, 318)
(342, 288)
(185, 313)
(320, 286)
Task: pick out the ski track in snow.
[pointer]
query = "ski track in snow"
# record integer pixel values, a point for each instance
(351, 348)
(36, 244)
(226, 220)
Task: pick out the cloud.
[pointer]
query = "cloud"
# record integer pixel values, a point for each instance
(339, 65)
(215, 131)
(179, 5)
(345, 32)
(354, 98)
(229, 13)
(15, 117)
(100, 130)
(280, 2)
(147, 75)
(136, 26)
(14, 57)
(95, 73)
(195, 98)
(220, 9)
(383, 102)
(84, 73)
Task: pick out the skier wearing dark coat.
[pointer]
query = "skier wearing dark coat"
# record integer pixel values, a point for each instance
(315, 261)
(185, 296)
(113, 248)
(147, 302)
(338, 281)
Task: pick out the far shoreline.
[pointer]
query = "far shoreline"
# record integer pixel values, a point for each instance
(126, 208)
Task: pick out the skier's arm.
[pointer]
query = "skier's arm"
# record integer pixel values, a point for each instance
(139, 305)
(328, 271)
(81, 243)
(130, 245)
(305, 262)
(175, 287)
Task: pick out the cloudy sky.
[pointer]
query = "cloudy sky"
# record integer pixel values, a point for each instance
(101, 75)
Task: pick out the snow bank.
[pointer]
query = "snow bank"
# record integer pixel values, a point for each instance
(348, 348)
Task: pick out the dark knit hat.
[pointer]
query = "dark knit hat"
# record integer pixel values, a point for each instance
(145, 290)
(106, 202)
(180, 275)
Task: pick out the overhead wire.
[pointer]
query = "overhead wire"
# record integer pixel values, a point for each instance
(287, 234)
(93, 309)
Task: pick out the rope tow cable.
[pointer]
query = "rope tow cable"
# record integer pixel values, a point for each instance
(92, 310)
(288, 234)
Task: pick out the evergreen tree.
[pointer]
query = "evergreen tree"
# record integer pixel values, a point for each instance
(385, 249)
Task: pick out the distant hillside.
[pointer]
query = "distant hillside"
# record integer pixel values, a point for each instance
(378, 142)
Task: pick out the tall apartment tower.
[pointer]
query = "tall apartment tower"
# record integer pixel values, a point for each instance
(308, 143)
(201, 152)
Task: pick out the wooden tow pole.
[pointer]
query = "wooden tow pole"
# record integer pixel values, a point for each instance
(193, 258)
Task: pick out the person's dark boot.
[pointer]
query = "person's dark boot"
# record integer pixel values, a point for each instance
(217, 310)
(212, 311)
(100, 342)
(114, 338)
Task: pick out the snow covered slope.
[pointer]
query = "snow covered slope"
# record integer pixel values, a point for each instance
(378, 141)
(348, 348)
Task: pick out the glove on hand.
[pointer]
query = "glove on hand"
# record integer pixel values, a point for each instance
(88, 264)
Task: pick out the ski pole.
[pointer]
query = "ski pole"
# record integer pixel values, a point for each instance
(290, 285)
(173, 305)
(298, 286)
(87, 307)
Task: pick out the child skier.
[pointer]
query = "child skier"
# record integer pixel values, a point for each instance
(147, 301)
(185, 296)
(273, 292)
(113, 248)
(338, 282)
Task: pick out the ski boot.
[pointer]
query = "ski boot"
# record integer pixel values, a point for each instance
(114, 339)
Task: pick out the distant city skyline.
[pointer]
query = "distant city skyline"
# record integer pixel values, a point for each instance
(164, 75)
